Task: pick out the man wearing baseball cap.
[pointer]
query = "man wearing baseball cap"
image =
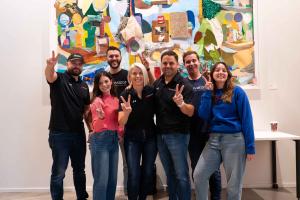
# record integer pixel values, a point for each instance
(70, 100)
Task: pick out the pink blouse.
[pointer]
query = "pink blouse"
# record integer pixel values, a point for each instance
(110, 106)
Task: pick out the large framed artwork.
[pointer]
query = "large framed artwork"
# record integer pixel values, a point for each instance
(219, 30)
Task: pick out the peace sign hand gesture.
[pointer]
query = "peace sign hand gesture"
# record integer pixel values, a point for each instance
(100, 112)
(51, 62)
(126, 107)
(178, 98)
(209, 85)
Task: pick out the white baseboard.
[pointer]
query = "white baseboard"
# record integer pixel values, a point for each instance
(121, 188)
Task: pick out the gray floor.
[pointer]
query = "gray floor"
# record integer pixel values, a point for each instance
(248, 194)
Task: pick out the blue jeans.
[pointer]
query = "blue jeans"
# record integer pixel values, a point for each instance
(64, 146)
(196, 146)
(172, 148)
(104, 149)
(226, 148)
(140, 176)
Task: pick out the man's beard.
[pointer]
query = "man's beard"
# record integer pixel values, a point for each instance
(112, 65)
(74, 71)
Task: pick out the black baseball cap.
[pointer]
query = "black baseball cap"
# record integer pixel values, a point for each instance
(76, 56)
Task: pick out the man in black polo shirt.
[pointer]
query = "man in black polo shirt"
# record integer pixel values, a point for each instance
(173, 97)
(69, 101)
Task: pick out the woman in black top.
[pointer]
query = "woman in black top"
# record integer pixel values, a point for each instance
(136, 113)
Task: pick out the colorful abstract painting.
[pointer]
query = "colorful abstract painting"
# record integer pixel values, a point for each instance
(219, 30)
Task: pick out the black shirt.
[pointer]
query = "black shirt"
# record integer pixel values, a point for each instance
(141, 116)
(199, 127)
(68, 99)
(120, 81)
(169, 118)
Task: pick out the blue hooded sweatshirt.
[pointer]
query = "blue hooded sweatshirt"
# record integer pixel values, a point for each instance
(231, 117)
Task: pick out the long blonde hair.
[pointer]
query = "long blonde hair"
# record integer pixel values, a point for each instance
(228, 86)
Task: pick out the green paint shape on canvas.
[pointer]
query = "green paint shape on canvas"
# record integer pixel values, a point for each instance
(62, 59)
(134, 45)
(59, 31)
(220, 17)
(209, 38)
(72, 44)
(225, 31)
(210, 9)
(91, 11)
(204, 26)
(201, 46)
(146, 27)
(215, 55)
(206, 55)
(90, 40)
(251, 24)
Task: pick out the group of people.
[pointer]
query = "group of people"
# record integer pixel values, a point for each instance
(207, 117)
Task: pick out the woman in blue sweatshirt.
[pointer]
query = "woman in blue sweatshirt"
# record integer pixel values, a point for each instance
(231, 141)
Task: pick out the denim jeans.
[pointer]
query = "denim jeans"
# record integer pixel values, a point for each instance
(64, 146)
(196, 146)
(226, 148)
(140, 157)
(125, 168)
(104, 149)
(172, 148)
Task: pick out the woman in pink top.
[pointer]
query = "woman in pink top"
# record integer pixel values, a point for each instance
(104, 138)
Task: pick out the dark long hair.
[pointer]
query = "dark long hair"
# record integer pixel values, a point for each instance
(96, 91)
(228, 86)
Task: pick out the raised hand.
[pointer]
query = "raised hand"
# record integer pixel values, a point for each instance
(178, 98)
(144, 61)
(100, 111)
(209, 85)
(51, 62)
(126, 107)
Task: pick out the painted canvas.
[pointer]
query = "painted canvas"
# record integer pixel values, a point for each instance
(219, 30)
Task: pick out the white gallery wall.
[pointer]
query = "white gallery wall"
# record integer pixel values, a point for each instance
(25, 157)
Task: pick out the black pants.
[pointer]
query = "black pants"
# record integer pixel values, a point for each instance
(67, 146)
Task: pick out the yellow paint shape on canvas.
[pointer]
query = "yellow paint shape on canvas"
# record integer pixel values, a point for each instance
(234, 25)
(78, 40)
(131, 59)
(242, 58)
(155, 55)
(178, 52)
(64, 2)
(77, 19)
(200, 10)
(166, 16)
(100, 5)
(112, 41)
